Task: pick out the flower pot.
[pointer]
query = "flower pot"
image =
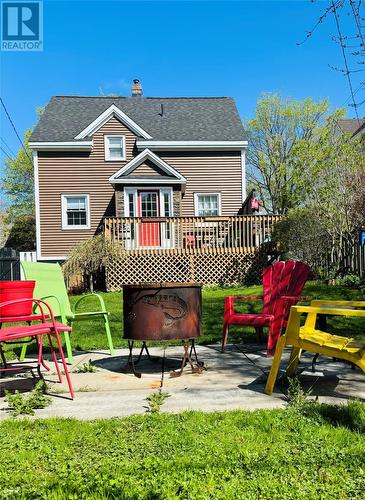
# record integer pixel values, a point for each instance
(15, 290)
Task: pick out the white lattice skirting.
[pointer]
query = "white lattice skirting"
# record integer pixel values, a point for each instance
(209, 269)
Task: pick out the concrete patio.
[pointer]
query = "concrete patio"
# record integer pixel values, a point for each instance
(233, 380)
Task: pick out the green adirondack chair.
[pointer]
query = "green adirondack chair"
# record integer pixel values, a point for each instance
(50, 286)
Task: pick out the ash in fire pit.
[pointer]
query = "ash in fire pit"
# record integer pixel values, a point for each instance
(162, 311)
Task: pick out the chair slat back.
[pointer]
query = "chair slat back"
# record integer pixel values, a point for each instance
(49, 281)
(283, 278)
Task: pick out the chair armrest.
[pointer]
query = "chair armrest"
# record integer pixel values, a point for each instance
(40, 303)
(339, 303)
(99, 297)
(295, 297)
(53, 297)
(229, 303)
(247, 297)
(330, 311)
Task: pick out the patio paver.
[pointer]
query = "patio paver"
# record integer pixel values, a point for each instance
(231, 381)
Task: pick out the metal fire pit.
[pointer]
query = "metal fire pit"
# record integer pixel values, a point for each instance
(162, 312)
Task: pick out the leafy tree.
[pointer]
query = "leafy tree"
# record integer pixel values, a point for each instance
(18, 183)
(278, 134)
(21, 235)
(323, 231)
(298, 237)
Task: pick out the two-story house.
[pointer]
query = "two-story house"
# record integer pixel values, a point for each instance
(147, 157)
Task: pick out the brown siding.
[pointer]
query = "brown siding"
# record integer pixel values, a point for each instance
(147, 169)
(68, 172)
(209, 172)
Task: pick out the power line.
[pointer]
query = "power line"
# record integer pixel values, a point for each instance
(334, 10)
(15, 130)
(356, 13)
(5, 153)
(360, 87)
(7, 146)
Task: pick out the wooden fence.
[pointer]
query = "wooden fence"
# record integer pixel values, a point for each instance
(10, 263)
(211, 250)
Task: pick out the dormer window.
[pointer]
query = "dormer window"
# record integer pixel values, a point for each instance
(114, 147)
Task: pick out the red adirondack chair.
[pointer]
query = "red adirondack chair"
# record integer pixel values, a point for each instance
(282, 283)
(47, 326)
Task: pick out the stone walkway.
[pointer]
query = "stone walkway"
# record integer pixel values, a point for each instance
(231, 380)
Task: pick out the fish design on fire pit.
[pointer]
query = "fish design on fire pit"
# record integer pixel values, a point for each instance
(172, 306)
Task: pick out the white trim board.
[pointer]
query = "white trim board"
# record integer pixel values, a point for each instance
(243, 174)
(55, 258)
(113, 110)
(192, 145)
(62, 146)
(138, 160)
(37, 204)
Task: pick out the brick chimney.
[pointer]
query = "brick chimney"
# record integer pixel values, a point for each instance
(136, 88)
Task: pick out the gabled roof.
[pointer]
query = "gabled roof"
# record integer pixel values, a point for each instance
(162, 118)
(113, 110)
(123, 175)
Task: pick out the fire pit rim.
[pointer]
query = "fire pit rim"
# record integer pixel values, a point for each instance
(162, 284)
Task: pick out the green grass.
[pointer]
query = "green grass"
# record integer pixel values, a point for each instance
(275, 454)
(90, 335)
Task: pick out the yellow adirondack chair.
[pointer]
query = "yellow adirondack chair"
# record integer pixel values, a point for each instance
(310, 339)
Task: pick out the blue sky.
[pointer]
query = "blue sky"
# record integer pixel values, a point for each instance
(175, 48)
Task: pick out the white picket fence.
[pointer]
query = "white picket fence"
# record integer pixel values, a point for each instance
(26, 257)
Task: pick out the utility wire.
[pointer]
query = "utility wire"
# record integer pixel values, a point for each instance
(15, 130)
(7, 146)
(5, 153)
(355, 11)
(360, 87)
(335, 13)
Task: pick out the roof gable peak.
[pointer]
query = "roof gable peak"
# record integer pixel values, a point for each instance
(113, 110)
(122, 174)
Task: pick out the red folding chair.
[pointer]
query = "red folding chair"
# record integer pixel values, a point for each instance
(20, 333)
(282, 283)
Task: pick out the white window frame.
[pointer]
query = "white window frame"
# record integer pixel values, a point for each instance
(107, 147)
(165, 243)
(65, 224)
(196, 203)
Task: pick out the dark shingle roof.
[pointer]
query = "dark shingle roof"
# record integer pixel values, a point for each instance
(352, 125)
(184, 118)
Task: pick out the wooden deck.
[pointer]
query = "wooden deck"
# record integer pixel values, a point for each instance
(191, 235)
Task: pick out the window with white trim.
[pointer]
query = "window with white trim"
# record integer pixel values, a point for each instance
(75, 211)
(207, 204)
(114, 147)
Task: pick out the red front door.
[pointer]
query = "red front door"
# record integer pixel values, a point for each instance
(148, 206)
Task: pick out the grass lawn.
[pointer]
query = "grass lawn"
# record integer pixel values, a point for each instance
(90, 335)
(277, 454)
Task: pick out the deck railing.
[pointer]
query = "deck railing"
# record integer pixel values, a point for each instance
(243, 233)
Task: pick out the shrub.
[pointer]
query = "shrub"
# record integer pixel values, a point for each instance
(90, 257)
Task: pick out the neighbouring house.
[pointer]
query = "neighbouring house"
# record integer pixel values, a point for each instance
(352, 126)
(155, 173)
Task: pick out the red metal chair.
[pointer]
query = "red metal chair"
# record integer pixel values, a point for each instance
(47, 326)
(282, 283)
